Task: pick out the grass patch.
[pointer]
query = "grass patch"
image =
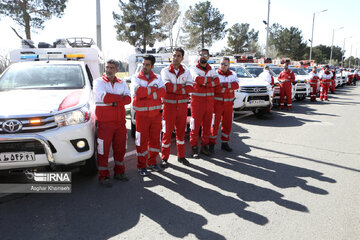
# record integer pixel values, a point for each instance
(122, 75)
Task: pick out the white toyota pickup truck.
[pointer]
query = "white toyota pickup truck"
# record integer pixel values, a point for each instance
(47, 111)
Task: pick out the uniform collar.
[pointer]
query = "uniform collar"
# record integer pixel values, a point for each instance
(228, 73)
(208, 67)
(172, 70)
(104, 77)
(143, 77)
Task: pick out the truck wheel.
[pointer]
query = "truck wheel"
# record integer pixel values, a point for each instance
(90, 167)
(133, 130)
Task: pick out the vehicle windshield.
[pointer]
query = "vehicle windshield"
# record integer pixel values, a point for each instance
(157, 68)
(240, 72)
(25, 76)
(255, 71)
(277, 71)
(298, 71)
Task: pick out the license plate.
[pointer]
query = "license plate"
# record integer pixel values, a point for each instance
(256, 101)
(17, 157)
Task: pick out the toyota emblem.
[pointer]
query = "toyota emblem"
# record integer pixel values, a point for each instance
(256, 90)
(12, 126)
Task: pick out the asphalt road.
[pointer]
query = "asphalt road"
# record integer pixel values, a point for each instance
(292, 175)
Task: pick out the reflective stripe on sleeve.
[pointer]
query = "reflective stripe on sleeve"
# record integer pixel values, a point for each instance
(180, 142)
(103, 104)
(213, 137)
(119, 163)
(218, 98)
(103, 168)
(228, 99)
(169, 101)
(183, 101)
(166, 145)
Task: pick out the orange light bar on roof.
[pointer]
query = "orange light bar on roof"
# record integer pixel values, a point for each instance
(35, 121)
(74, 55)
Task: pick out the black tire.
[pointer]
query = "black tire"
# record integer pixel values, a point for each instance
(90, 167)
(133, 130)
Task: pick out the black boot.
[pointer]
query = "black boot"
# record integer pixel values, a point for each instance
(184, 161)
(205, 150)
(225, 146)
(212, 148)
(195, 152)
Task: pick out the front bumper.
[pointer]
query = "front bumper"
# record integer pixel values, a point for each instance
(58, 139)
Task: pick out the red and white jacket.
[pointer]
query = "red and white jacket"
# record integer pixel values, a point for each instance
(314, 78)
(110, 99)
(205, 81)
(178, 86)
(325, 77)
(147, 93)
(286, 76)
(229, 82)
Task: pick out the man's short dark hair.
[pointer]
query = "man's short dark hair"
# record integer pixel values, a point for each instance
(204, 50)
(113, 61)
(151, 58)
(179, 49)
(226, 59)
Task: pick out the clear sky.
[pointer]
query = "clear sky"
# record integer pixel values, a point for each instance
(79, 20)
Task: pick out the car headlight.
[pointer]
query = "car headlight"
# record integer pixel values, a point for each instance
(74, 117)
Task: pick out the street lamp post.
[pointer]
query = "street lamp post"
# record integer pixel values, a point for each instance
(312, 32)
(350, 55)
(267, 32)
(332, 44)
(343, 55)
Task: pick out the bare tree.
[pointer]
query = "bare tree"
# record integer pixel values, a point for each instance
(4, 60)
(169, 15)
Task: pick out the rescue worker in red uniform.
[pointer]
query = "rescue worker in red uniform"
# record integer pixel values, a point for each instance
(147, 90)
(111, 94)
(286, 78)
(223, 106)
(332, 83)
(325, 81)
(178, 85)
(202, 103)
(314, 81)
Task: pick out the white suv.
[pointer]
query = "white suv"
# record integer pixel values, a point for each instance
(47, 116)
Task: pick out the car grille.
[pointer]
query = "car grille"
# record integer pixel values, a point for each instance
(254, 89)
(300, 89)
(25, 146)
(47, 122)
(265, 98)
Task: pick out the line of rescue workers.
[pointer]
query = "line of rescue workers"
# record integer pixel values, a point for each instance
(161, 105)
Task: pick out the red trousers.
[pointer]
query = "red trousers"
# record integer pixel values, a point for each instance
(324, 87)
(147, 139)
(201, 115)
(224, 114)
(285, 90)
(174, 115)
(313, 91)
(115, 133)
(332, 86)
